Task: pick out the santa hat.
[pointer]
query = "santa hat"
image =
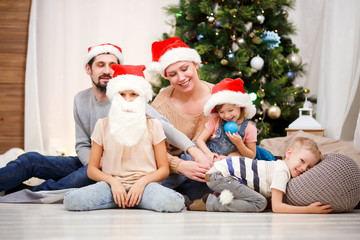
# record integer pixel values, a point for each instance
(129, 77)
(169, 51)
(102, 49)
(230, 91)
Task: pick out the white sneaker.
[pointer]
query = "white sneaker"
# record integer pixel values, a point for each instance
(10, 155)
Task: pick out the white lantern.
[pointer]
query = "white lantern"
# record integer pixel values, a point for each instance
(305, 120)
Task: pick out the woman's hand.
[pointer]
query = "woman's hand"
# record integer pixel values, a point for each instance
(193, 170)
(135, 193)
(118, 191)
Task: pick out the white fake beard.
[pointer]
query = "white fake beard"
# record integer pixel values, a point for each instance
(127, 120)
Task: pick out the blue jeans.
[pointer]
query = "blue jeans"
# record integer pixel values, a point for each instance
(184, 185)
(98, 196)
(59, 172)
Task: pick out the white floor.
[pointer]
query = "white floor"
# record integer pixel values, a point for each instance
(52, 221)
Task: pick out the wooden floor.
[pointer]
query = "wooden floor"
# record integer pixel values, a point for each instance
(52, 221)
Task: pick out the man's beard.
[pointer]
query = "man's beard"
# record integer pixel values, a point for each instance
(127, 120)
(100, 86)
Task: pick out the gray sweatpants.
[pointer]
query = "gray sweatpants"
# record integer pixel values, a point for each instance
(245, 198)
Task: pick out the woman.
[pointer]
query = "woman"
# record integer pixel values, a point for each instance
(182, 104)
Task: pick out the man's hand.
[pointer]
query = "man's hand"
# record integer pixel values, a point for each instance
(193, 170)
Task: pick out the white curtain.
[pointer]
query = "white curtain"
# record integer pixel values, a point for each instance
(60, 32)
(329, 42)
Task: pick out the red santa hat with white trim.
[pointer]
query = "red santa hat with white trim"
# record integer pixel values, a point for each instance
(103, 49)
(169, 51)
(129, 77)
(230, 91)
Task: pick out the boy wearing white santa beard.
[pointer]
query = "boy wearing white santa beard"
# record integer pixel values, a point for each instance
(127, 118)
(133, 152)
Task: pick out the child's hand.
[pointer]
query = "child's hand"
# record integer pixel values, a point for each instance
(119, 193)
(319, 207)
(219, 158)
(213, 156)
(135, 193)
(235, 137)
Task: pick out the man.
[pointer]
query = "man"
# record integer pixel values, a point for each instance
(89, 106)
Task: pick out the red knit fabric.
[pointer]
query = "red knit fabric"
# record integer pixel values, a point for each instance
(136, 70)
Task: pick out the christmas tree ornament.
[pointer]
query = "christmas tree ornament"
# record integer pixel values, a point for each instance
(291, 75)
(291, 100)
(216, 8)
(271, 38)
(262, 80)
(257, 63)
(178, 15)
(248, 26)
(224, 62)
(231, 55)
(218, 24)
(294, 59)
(260, 18)
(234, 47)
(274, 112)
(260, 93)
(240, 41)
(253, 96)
(306, 91)
(219, 54)
(256, 40)
(264, 105)
(211, 18)
(286, 13)
(200, 37)
(231, 127)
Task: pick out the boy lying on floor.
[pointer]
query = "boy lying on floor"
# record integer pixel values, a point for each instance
(245, 183)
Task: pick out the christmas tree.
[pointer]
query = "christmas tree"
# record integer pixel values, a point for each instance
(250, 40)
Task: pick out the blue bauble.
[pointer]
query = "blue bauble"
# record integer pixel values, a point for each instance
(291, 75)
(231, 127)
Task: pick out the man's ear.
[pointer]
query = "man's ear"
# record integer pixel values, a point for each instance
(288, 153)
(88, 69)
